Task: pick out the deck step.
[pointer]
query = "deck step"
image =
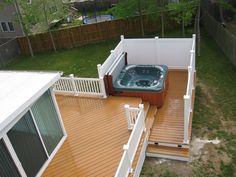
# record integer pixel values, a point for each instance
(173, 153)
(146, 107)
(150, 117)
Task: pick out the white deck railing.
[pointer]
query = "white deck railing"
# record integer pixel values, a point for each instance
(131, 115)
(189, 92)
(125, 166)
(77, 86)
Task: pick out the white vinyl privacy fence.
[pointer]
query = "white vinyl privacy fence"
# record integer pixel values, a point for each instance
(188, 101)
(173, 52)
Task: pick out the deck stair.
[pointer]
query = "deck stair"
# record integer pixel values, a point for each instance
(150, 113)
(174, 153)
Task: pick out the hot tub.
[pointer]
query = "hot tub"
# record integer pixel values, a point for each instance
(149, 82)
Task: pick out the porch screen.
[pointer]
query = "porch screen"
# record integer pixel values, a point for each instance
(7, 166)
(47, 121)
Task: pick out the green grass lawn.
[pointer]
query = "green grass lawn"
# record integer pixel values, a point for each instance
(215, 107)
(79, 61)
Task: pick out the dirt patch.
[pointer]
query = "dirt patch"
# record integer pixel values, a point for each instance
(229, 126)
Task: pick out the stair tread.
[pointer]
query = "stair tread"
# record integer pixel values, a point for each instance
(174, 151)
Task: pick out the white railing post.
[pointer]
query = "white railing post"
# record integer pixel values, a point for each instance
(112, 54)
(126, 148)
(157, 50)
(102, 87)
(186, 117)
(141, 109)
(72, 78)
(192, 52)
(99, 70)
(127, 113)
(122, 42)
(190, 74)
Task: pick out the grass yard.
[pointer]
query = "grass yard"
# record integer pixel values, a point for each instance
(215, 105)
(79, 61)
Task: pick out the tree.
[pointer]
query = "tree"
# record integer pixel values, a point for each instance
(129, 8)
(158, 8)
(40, 13)
(224, 5)
(183, 12)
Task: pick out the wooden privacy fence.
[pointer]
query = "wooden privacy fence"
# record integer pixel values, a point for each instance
(85, 34)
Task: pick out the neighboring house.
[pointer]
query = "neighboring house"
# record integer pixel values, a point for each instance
(31, 129)
(9, 27)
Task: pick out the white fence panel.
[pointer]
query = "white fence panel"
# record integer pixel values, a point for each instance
(140, 51)
(116, 69)
(174, 52)
(102, 70)
(171, 52)
(189, 91)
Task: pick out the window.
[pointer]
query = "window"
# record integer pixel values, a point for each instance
(47, 121)
(4, 26)
(7, 27)
(7, 166)
(10, 26)
(27, 145)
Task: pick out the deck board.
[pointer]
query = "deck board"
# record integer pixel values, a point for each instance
(97, 131)
(169, 122)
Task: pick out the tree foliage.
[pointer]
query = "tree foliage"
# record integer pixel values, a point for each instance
(183, 11)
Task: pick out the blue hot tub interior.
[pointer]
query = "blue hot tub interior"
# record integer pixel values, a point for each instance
(141, 77)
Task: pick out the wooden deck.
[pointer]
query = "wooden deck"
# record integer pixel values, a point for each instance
(97, 131)
(168, 125)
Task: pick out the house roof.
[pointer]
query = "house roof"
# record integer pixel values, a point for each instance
(18, 90)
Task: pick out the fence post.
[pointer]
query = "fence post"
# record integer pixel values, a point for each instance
(186, 118)
(157, 53)
(112, 53)
(102, 87)
(127, 113)
(72, 78)
(192, 52)
(99, 70)
(122, 42)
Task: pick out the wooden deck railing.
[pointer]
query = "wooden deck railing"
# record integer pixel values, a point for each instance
(189, 92)
(125, 166)
(77, 86)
